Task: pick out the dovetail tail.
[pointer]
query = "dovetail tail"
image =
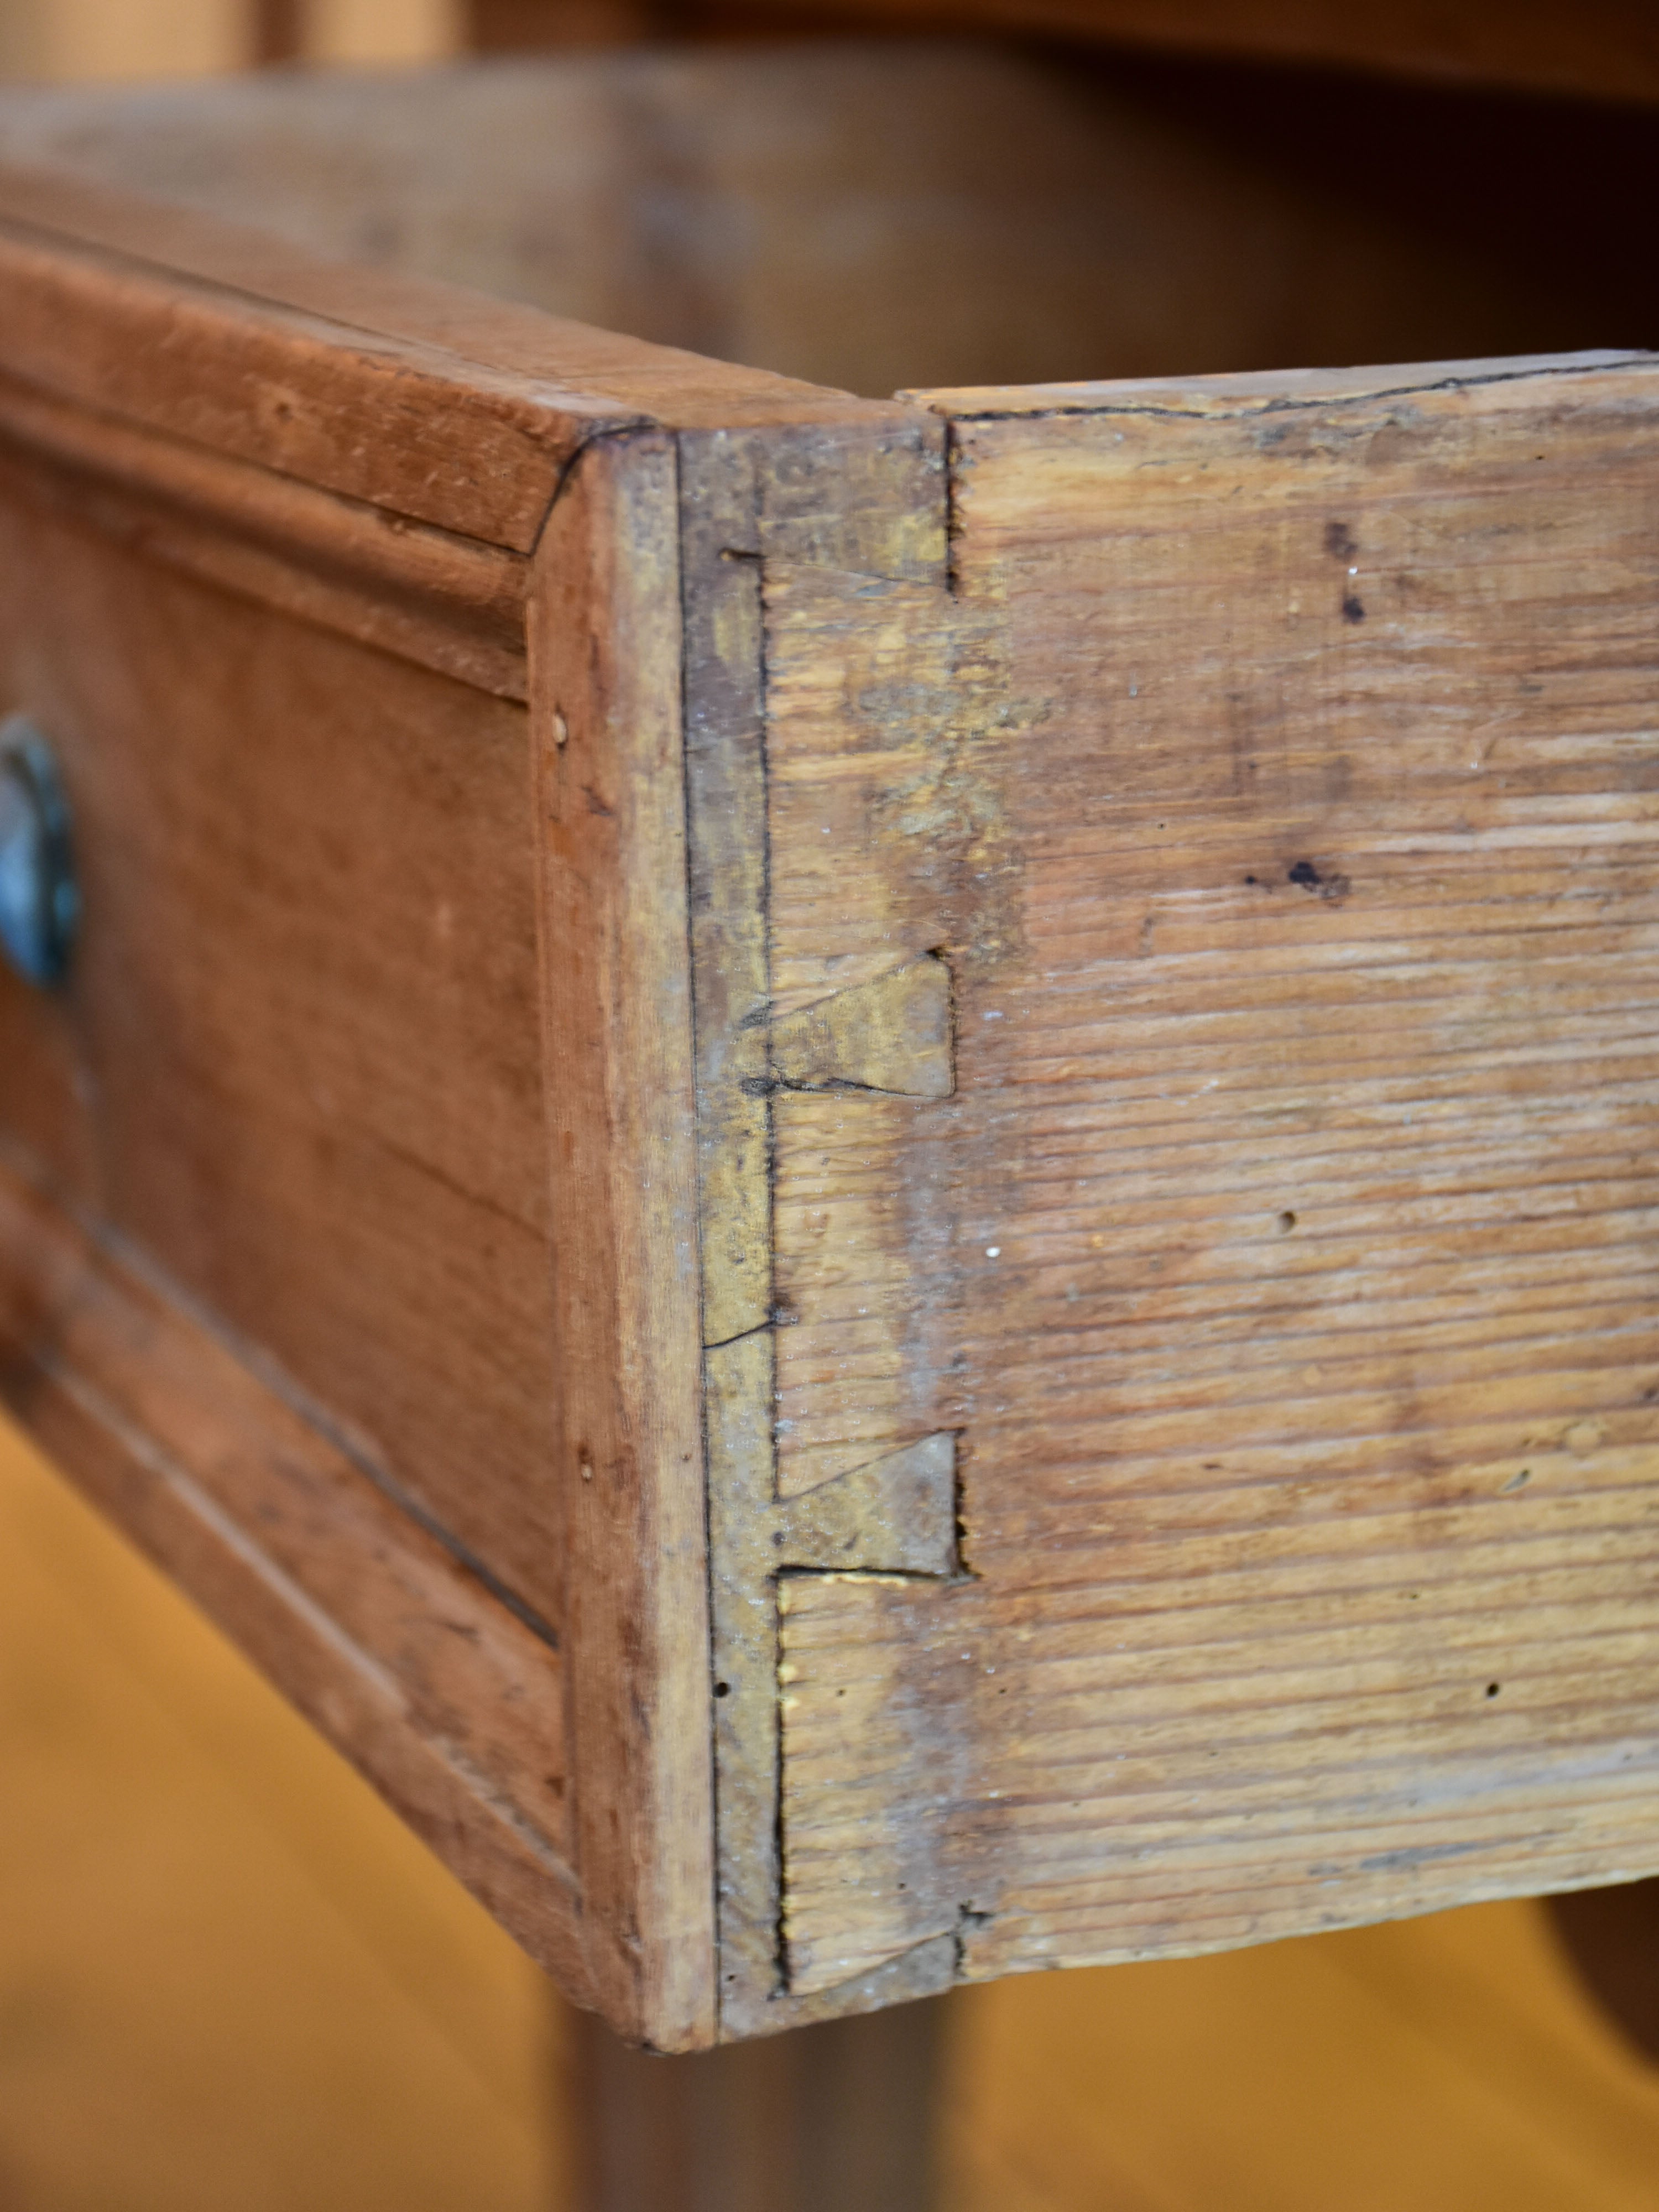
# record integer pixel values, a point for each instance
(893, 1033)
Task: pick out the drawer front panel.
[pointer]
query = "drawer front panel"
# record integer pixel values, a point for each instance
(297, 1061)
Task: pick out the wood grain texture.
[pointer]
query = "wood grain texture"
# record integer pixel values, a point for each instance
(371, 416)
(302, 1064)
(607, 741)
(448, 1702)
(891, 1033)
(1278, 1260)
(303, 1060)
(298, 1063)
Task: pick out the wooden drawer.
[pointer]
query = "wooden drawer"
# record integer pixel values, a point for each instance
(873, 1178)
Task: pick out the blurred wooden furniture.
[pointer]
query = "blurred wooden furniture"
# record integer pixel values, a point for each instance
(1608, 49)
(868, 1175)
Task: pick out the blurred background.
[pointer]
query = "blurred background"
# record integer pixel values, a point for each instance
(229, 1978)
(65, 41)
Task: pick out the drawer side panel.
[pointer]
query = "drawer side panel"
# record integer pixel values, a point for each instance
(1282, 1262)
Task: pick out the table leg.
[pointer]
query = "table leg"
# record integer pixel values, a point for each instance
(1612, 1936)
(835, 2117)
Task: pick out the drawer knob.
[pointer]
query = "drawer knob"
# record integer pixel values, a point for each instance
(39, 901)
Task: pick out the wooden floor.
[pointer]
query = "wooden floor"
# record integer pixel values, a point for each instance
(1440, 2065)
(228, 1978)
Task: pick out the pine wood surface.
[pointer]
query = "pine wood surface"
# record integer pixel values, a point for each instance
(289, 1118)
(373, 1627)
(1278, 1263)
(237, 309)
(427, 595)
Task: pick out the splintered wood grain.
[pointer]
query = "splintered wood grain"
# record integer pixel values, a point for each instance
(1283, 1260)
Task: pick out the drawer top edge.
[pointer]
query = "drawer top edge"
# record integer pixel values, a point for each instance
(442, 405)
(1270, 390)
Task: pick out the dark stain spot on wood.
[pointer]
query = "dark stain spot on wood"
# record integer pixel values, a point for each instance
(1340, 541)
(1287, 1219)
(1493, 1688)
(1328, 884)
(1353, 611)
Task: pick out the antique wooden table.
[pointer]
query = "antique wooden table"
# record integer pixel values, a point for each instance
(873, 1177)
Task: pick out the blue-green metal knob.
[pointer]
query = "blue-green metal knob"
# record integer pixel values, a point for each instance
(40, 903)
